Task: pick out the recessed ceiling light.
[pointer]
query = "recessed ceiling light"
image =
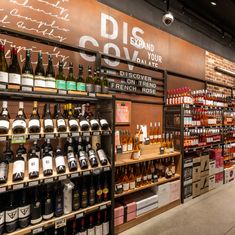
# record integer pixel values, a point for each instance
(213, 3)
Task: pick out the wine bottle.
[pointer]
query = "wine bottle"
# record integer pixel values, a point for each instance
(104, 124)
(8, 153)
(39, 78)
(4, 167)
(47, 163)
(105, 188)
(11, 214)
(68, 189)
(84, 193)
(91, 191)
(33, 164)
(48, 122)
(4, 118)
(18, 168)
(27, 71)
(49, 146)
(37, 149)
(2, 212)
(81, 85)
(3, 65)
(59, 207)
(89, 81)
(97, 81)
(73, 124)
(98, 227)
(74, 227)
(92, 155)
(48, 211)
(24, 209)
(71, 83)
(91, 227)
(14, 69)
(60, 122)
(35, 207)
(94, 124)
(84, 124)
(34, 121)
(72, 163)
(102, 156)
(99, 191)
(76, 197)
(82, 158)
(82, 229)
(60, 79)
(50, 74)
(19, 124)
(22, 150)
(59, 161)
(105, 225)
(105, 83)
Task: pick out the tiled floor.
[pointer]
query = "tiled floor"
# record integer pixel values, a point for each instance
(210, 214)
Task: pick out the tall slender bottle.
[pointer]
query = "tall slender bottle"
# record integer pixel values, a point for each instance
(61, 125)
(3, 66)
(34, 121)
(98, 227)
(105, 224)
(92, 191)
(47, 120)
(71, 83)
(47, 165)
(14, 69)
(90, 81)
(97, 81)
(48, 211)
(76, 197)
(59, 161)
(8, 153)
(50, 74)
(59, 207)
(81, 85)
(27, 71)
(4, 167)
(84, 193)
(60, 78)
(105, 187)
(39, 78)
(35, 207)
(24, 209)
(19, 124)
(73, 124)
(72, 163)
(2, 212)
(18, 168)
(91, 227)
(105, 83)
(33, 164)
(4, 119)
(99, 190)
(22, 150)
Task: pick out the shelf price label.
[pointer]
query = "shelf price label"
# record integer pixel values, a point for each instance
(87, 133)
(49, 136)
(18, 186)
(3, 189)
(75, 175)
(103, 207)
(34, 137)
(96, 133)
(3, 138)
(86, 173)
(95, 171)
(80, 215)
(33, 183)
(49, 180)
(60, 223)
(75, 134)
(63, 135)
(18, 139)
(107, 168)
(37, 230)
(62, 177)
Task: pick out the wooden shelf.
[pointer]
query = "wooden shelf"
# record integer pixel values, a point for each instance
(27, 182)
(48, 223)
(145, 216)
(124, 159)
(160, 181)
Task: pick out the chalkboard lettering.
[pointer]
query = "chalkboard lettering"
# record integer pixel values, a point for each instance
(135, 76)
(122, 87)
(148, 91)
(147, 84)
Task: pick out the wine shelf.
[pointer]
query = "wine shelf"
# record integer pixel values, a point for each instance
(192, 149)
(34, 229)
(122, 161)
(27, 182)
(160, 181)
(203, 127)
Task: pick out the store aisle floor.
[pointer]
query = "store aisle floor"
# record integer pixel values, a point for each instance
(210, 214)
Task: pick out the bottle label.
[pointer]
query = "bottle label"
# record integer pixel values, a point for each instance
(60, 122)
(50, 82)
(18, 167)
(98, 230)
(145, 177)
(132, 185)
(14, 78)
(155, 137)
(33, 164)
(2, 218)
(61, 84)
(81, 86)
(11, 215)
(103, 122)
(141, 137)
(3, 77)
(138, 179)
(39, 81)
(101, 154)
(106, 228)
(76, 201)
(151, 137)
(59, 161)
(3, 170)
(34, 122)
(173, 169)
(71, 86)
(84, 199)
(124, 147)
(73, 122)
(91, 231)
(149, 177)
(99, 192)
(92, 196)
(47, 163)
(48, 122)
(93, 121)
(105, 191)
(97, 88)
(84, 122)
(129, 147)
(126, 186)
(19, 123)
(4, 123)
(90, 87)
(71, 157)
(27, 79)
(24, 211)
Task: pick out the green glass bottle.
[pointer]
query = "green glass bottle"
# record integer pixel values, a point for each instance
(97, 81)
(14, 69)
(3, 65)
(60, 79)
(81, 85)
(105, 83)
(50, 74)
(27, 71)
(71, 83)
(39, 78)
(89, 81)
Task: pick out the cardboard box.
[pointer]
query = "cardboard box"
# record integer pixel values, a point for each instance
(212, 167)
(211, 182)
(196, 188)
(228, 174)
(204, 164)
(118, 220)
(204, 184)
(174, 190)
(146, 209)
(163, 194)
(144, 202)
(118, 214)
(196, 169)
(187, 192)
(129, 210)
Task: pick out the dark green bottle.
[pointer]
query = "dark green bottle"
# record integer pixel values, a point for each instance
(50, 74)
(97, 81)
(89, 81)
(3, 65)
(81, 85)
(71, 83)
(14, 69)
(27, 71)
(60, 79)
(39, 78)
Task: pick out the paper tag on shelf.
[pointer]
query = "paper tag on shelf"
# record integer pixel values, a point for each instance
(26, 88)
(3, 189)
(86, 133)
(106, 132)
(49, 136)
(3, 138)
(49, 180)
(18, 186)
(75, 134)
(96, 133)
(107, 168)
(96, 171)
(63, 135)
(62, 177)
(62, 92)
(103, 207)
(33, 183)
(91, 94)
(18, 139)
(37, 230)
(80, 215)
(3, 86)
(86, 173)
(34, 136)
(60, 223)
(74, 175)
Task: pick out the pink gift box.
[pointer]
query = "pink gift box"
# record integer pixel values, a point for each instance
(129, 210)
(119, 220)
(118, 210)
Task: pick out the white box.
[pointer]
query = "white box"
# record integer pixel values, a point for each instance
(163, 194)
(174, 190)
(211, 182)
(146, 209)
(212, 167)
(146, 199)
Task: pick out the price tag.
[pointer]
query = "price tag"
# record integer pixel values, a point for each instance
(3, 189)
(3, 138)
(107, 168)
(62, 92)
(91, 94)
(49, 136)
(63, 135)
(33, 183)
(18, 186)
(80, 215)
(103, 207)
(49, 180)
(60, 223)
(37, 230)
(18, 139)
(86, 133)
(106, 132)
(75, 134)
(62, 177)
(34, 137)
(74, 175)
(96, 171)
(86, 173)
(3, 86)
(96, 133)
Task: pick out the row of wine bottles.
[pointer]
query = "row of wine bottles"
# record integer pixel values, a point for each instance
(28, 206)
(39, 78)
(83, 154)
(19, 124)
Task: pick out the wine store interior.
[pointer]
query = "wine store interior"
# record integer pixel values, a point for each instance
(117, 117)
